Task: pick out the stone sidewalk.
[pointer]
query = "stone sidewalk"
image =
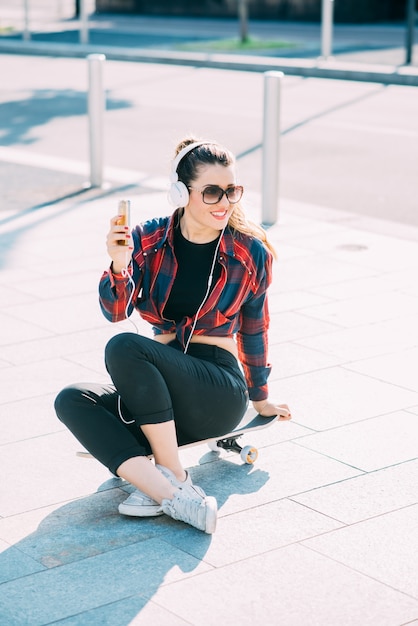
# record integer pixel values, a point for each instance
(321, 530)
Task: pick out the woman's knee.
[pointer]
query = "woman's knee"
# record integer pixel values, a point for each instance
(66, 401)
(118, 347)
(124, 346)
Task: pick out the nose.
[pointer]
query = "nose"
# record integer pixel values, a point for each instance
(224, 200)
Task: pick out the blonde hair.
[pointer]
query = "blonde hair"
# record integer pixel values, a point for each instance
(210, 153)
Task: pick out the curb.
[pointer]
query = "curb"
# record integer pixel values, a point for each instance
(313, 68)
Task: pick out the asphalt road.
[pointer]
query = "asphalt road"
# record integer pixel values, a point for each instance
(345, 145)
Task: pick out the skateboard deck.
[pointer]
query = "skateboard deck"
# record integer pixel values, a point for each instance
(250, 422)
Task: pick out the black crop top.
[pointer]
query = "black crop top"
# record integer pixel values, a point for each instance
(191, 282)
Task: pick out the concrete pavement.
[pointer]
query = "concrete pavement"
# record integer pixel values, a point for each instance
(347, 145)
(322, 529)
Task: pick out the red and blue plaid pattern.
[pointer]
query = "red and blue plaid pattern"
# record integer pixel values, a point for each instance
(237, 304)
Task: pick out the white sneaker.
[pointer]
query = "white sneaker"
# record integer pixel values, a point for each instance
(138, 504)
(173, 480)
(191, 505)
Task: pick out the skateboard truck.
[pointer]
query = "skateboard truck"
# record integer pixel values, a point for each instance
(248, 454)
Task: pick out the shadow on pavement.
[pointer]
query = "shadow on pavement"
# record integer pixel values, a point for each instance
(18, 117)
(85, 558)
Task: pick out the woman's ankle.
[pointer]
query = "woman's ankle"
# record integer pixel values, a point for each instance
(180, 474)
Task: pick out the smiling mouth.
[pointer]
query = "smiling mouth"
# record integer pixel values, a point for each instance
(219, 214)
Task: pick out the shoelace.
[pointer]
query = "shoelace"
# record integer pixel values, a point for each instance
(189, 506)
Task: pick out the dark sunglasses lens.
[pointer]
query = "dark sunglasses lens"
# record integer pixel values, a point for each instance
(212, 195)
(234, 194)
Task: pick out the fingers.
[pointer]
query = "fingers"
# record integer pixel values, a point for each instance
(268, 408)
(284, 412)
(119, 244)
(119, 234)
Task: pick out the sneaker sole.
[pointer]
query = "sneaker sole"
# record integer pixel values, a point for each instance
(136, 511)
(211, 514)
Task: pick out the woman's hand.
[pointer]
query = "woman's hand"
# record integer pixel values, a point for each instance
(120, 254)
(266, 408)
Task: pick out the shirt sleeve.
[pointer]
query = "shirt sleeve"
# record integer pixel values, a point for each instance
(115, 295)
(252, 338)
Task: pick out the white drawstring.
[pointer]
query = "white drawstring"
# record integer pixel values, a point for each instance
(126, 274)
(120, 413)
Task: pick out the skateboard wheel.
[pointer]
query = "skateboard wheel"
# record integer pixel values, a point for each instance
(213, 445)
(249, 454)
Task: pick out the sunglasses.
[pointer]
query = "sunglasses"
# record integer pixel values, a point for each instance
(212, 194)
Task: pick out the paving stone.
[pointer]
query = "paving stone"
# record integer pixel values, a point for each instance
(239, 487)
(364, 248)
(14, 564)
(43, 288)
(66, 344)
(308, 589)
(17, 297)
(49, 376)
(121, 573)
(366, 341)
(291, 300)
(383, 548)
(400, 368)
(371, 444)
(374, 308)
(401, 280)
(135, 611)
(34, 416)
(63, 315)
(260, 530)
(291, 326)
(294, 226)
(315, 270)
(11, 328)
(361, 497)
(77, 530)
(335, 397)
(47, 456)
(291, 359)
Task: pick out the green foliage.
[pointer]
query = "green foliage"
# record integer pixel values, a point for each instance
(236, 45)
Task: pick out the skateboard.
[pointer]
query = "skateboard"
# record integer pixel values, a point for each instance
(251, 422)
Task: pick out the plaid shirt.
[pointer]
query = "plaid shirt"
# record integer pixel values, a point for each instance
(237, 304)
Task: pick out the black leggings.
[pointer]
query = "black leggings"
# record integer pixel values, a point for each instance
(203, 391)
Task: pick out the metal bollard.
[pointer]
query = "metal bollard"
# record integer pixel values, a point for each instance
(326, 28)
(96, 107)
(84, 32)
(26, 31)
(410, 31)
(271, 140)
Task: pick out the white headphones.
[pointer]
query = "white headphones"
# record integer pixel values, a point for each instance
(178, 194)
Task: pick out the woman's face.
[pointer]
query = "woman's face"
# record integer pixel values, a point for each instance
(209, 218)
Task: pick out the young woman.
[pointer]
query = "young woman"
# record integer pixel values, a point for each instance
(200, 277)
